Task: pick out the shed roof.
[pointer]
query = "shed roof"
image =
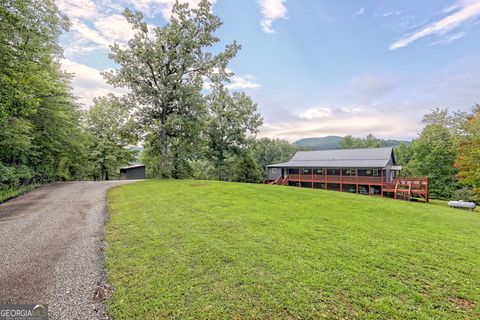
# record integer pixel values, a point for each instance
(133, 166)
(348, 158)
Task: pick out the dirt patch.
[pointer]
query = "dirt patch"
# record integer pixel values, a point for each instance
(102, 292)
(462, 303)
(198, 185)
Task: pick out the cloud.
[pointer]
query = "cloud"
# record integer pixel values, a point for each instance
(78, 8)
(449, 39)
(88, 83)
(315, 113)
(466, 11)
(392, 13)
(360, 11)
(84, 33)
(243, 82)
(343, 123)
(272, 10)
(115, 27)
(236, 82)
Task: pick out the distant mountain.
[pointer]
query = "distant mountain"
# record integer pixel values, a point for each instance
(331, 142)
(324, 143)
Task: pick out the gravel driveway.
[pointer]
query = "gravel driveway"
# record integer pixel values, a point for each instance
(52, 250)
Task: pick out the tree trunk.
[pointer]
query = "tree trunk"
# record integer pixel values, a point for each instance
(164, 143)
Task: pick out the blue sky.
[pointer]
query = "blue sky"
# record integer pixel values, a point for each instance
(315, 67)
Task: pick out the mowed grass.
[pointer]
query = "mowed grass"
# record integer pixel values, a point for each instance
(213, 250)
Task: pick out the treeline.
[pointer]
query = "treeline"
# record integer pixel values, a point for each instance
(39, 119)
(44, 134)
(188, 130)
(448, 152)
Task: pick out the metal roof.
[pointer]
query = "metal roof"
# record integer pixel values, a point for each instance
(348, 158)
(132, 166)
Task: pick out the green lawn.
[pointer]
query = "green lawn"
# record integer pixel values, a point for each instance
(213, 250)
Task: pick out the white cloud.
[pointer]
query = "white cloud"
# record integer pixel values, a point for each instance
(236, 82)
(272, 10)
(356, 124)
(243, 82)
(88, 83)
(449, 39)
(466, 10)
(315, 113)
(392, 13)
(78, 8)
(115, 27)
(85, 33)
(360, 11)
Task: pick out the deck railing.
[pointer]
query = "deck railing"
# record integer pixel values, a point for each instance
(336, 179)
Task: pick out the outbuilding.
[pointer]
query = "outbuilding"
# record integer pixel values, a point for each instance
(132, 172)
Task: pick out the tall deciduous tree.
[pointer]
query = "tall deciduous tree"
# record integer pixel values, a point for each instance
(468, 159)
(110, 130)
(433, 155)
(232, 120)
(163, 66)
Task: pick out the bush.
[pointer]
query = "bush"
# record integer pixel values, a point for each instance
(465, 194)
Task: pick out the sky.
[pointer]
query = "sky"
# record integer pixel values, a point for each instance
(314, 67)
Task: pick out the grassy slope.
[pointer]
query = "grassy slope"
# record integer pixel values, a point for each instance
(190, 249)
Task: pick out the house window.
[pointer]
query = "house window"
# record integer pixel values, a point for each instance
(319, 171)
(375, 173)
(274, 170)
(306, 171)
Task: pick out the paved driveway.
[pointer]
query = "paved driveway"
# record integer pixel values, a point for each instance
(51, 248)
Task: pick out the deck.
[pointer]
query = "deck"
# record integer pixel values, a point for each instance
(402, 188)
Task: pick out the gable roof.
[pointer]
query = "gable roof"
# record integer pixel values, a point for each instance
(347, 158)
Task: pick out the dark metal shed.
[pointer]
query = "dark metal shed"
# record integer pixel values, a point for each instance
(132, 172)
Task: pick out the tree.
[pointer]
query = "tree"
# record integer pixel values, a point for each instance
(232, 119)
(433, 155)
(165, 66)
(453, 121)
(468, 159)
(370, 141)
(40, 135)
(270, 151)
(403, 155)
(246, 169)
(110, 130)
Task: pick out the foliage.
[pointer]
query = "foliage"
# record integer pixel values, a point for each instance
(468, 159)
(453, 121)
(403, 155)
(232, 119)
(40, 136)
(217, 250)
(433, 155)
(110, 131)
(268, 151)
(165, 67)
(465, 194)
(246, 169)
(350, 142)
(202, 170)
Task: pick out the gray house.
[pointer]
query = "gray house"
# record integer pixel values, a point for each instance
(371, 171)
(132, 172)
